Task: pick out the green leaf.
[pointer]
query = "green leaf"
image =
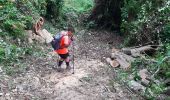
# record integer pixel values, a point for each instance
(167, 74)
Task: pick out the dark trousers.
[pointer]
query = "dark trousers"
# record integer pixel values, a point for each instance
(63, 57)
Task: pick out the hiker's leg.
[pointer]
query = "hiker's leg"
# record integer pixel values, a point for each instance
(60, 63)
(67, 60)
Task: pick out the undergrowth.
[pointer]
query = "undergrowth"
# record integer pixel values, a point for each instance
(145, 20)
(74, 12)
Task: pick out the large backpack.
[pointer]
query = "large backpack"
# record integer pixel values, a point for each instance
(56, 41)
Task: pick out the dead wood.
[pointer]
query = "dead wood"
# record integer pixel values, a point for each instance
(113, 63)
(123, 63)
(123, 59)
(137, 51)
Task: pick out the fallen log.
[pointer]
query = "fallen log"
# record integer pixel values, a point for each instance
(125, 56)
(113, 63)
(137, 51)
(123, 63)
(123, 59)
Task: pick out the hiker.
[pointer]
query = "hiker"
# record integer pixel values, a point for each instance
(63, 52)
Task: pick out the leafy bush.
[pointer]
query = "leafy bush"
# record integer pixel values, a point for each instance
(145, 20)
(78, 6)
(16, 17)
(53, 10)
(12, 20)
(165, 36)
(11, 57)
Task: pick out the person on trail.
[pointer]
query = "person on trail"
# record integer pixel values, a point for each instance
(63, 51)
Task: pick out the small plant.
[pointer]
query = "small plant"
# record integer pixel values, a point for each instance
(11, 57)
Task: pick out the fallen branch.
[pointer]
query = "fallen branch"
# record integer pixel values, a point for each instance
(123, 59)
(137, 51)
(150, 60)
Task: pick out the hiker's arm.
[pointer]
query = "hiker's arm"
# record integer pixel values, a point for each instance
(67, 42)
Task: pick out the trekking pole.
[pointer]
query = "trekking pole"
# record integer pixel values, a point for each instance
(73, 56)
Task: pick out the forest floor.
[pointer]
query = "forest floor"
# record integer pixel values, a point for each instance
(93, 78)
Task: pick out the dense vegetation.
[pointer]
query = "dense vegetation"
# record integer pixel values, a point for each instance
(18, 16)
(140, 21)
(147, 22)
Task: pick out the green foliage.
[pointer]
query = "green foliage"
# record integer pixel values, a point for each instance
(73, 11)
(145, 20)
(11, 57)
(165, 36)
(39, 6)
(53, 9)
(12, 20)
(19, 16)
(153, 91)
(48, 26)
(78, 6)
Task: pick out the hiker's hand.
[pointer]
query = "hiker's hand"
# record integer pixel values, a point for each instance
(72, 39)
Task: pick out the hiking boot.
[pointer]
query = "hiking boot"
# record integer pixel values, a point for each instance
(59, 69)
(54, 67)
(68, 68)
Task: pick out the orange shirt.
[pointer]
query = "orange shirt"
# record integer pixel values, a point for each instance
(64, 41)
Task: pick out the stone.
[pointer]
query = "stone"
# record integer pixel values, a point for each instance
(43, 37)
(1, 94)
(135, 86)
(143, 74)
(47, 36)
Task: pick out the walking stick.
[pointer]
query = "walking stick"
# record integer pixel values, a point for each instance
(73, 56)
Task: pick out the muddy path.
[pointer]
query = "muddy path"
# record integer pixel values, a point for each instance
(93, 78)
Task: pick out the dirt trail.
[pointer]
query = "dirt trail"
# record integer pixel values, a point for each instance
(93, 79)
